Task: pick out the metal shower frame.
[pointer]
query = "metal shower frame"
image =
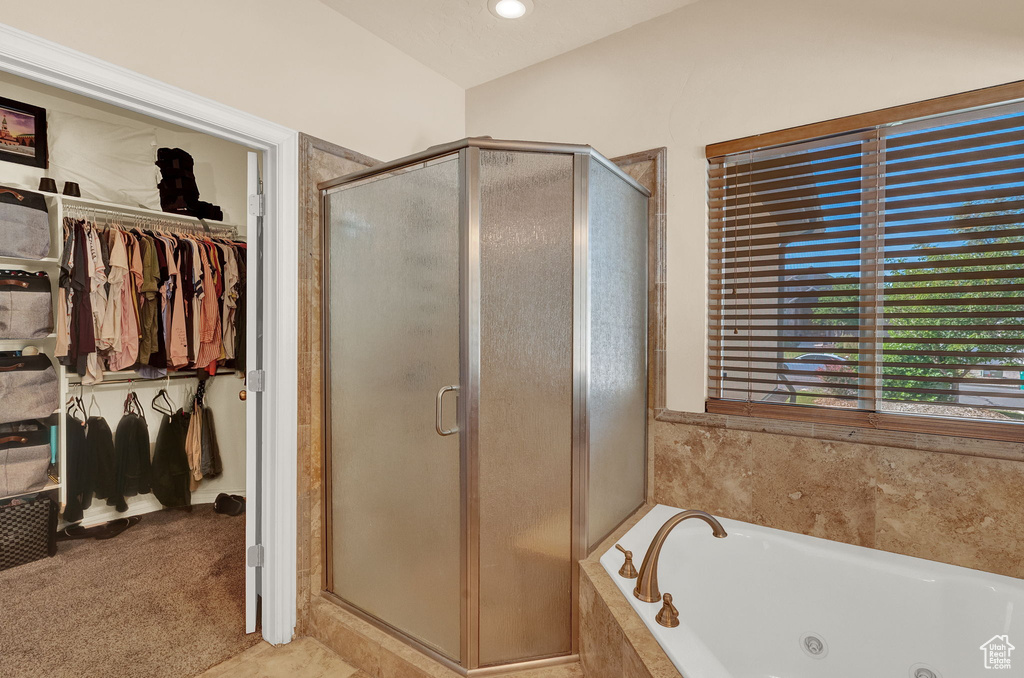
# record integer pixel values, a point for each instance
(468, 151)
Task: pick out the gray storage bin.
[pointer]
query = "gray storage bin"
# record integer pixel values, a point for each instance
(28, 388)
(24, 461)
(26, 305)
(24, 224)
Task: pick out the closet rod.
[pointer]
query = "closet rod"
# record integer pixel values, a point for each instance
(165, 224)
(143, 380)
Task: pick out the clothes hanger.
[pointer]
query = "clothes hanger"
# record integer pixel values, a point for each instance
(76, 406)
(93, 403)
(129, 397)
(71, 402)
(162, 402)
(132, 404)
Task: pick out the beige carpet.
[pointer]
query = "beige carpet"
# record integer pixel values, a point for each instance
(165, 599)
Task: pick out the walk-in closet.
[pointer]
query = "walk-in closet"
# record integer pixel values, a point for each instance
(126, 293)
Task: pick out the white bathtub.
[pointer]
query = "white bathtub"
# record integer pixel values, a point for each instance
(748, 602)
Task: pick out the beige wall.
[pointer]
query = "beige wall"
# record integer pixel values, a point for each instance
(297, 63)
(722, 69)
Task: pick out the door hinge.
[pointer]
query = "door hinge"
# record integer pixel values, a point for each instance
(254, 556)
(256, 205)
(255, 382)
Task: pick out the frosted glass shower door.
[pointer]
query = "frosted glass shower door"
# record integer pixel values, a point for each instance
(393, 342)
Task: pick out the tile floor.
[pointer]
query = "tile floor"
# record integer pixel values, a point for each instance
(309, 658)
(301, 658)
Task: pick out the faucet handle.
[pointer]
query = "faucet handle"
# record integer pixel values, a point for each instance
(627, 570)
(668, 615)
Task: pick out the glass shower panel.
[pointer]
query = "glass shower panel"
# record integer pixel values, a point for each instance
(394, 342)
(617, 398)
(525, 405)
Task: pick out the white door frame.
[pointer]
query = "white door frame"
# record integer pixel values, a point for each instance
(44, 61)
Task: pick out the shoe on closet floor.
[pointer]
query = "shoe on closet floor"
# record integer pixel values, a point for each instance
(229, 504)
(116, 527)
(107, 530)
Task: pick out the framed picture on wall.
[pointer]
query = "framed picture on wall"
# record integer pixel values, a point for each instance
(22, 133)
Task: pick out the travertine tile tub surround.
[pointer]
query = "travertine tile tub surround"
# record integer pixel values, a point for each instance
(614, 643)
(960, 509)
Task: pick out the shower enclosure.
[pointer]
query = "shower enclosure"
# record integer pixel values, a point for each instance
(485, 315)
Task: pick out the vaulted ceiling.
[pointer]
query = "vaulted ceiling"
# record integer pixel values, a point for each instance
(463, 41)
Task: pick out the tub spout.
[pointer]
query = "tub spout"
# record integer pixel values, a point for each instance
(647, 583)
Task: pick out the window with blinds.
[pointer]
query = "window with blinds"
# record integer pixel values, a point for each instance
(874, 278)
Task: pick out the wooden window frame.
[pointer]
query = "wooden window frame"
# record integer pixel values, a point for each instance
(859, 419)
(999, 94)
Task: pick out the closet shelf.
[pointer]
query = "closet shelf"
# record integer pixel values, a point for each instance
(119, 378)
(49, 486)
(67, 202)
(31, 262)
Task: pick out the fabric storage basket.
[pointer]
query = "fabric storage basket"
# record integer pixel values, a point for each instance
(28, 531)
(28, 388)
(26, 307)
(24, 224)
(24, 458)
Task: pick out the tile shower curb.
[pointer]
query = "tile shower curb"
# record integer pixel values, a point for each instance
(381, 655)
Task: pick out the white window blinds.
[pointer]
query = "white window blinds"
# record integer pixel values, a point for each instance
(873, 278)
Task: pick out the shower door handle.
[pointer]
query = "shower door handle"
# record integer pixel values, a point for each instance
(439, 412)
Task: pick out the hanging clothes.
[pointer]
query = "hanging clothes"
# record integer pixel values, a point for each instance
(148, 288)
(126, 352)
(131, 445)
(100, 442)
(77, 338)
(210, 463)
(65, 291)
(240, 311)
(80, 470)
(201, 446)
(209, 349)
(194, 447)
(170, 462)
(149, 301)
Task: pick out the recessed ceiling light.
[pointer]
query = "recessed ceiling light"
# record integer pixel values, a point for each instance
(510, 9)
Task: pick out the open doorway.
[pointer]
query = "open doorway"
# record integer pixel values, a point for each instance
(237, 545)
